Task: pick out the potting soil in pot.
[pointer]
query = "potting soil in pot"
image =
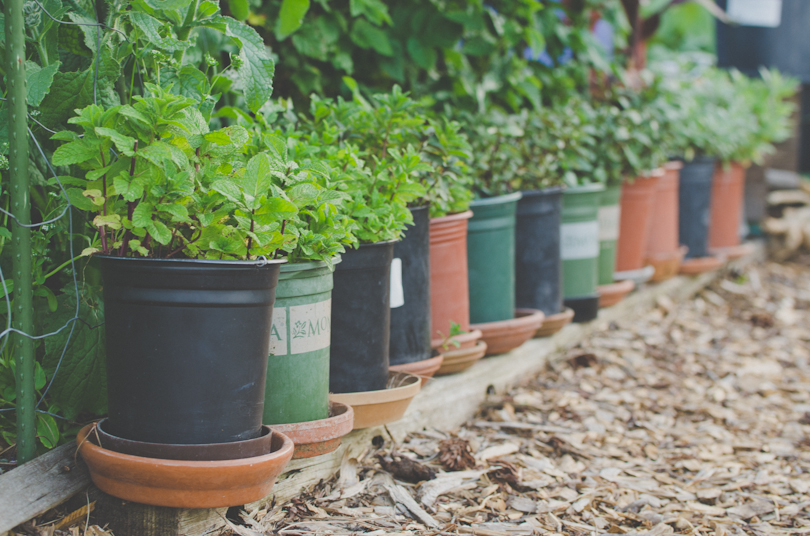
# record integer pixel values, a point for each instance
(538, 267)
(361, 317)
(297, 388)
(491, 258)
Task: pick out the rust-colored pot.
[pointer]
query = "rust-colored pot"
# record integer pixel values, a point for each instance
(554, 323)
(375, 408)
(313, 438)
(662, 240)
(184, 484)
(728, 189)
(634, 223)
(425, 369)
(666, 264)
(505, 335)
(700, 265)
(614, 293)
(449, 289)
(461, 359)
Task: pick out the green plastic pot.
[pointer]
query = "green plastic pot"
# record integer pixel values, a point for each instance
(609, 217)
(297, 388)
(579, 240)
(491, 258)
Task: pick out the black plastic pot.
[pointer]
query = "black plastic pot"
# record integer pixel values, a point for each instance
(694, 200)
(538, 268)
(410, 281)
(361, 316)
(187, 346)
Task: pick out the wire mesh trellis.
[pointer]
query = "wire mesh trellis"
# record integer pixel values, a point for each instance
(26, 416)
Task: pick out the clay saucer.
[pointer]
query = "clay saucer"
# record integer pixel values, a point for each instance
(506, 335)
(613, 294)
(700, 265)
(313, 438)
(461, 358)
(734, 252)
(164, 451)
(375, 408)
(554, 323)
(465, 340)
(639, 277)
(425, 369)
(666, 264)
(184, 484)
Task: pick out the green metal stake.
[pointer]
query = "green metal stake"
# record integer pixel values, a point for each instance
(23, 311)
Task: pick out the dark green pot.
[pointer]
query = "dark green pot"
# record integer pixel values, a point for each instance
(491, 258)
(297, 388)
(579, 241)
(609, 216)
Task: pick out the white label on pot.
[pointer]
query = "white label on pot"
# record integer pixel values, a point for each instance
(579, 240)
(397, 293)
(765, 13)
(310, 326)
(609, 222)
(278, 333)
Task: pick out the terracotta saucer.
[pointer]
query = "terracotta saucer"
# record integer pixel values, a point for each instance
(461, 359)
(734, 252)
(184, 484)
(639, 277)
(465, 340)
(554, 323)
(425, 369)
(700, 265)
(375, 408)
(314, 438)
(507, 335)
(209, 452)
(666, 264)
(613, 294)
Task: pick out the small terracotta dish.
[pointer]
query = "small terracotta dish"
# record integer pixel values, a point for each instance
(209, 452)
(506, 335)
(180, 483)
(613, 294)
(465, 340)
(314, 438)
(734, 252)
(554, 323)
(639, 277)
(462, 358)
(700, 265)
(375, 408)
(425, 369)
(667, 264)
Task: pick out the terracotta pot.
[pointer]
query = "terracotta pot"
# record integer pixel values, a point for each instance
(666, 265)
(700, 265)
(615, 292)
(234, 450)
(663, 234)
(375, 408)
(554, 323)
(506, 335)
(634, 223)
(449, 299)
(313, 438)
(461, 359)
(728, 183)
(465, 340)
(425, 369)
(184, 484)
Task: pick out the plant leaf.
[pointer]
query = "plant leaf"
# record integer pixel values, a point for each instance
(38, 81)
(290, 17)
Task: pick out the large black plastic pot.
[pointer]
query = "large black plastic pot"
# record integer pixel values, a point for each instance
(694, 201)
(361, 316)
(538, 267)
(410, 292)
(187, 346)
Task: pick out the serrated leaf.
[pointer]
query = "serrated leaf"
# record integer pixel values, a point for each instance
(142, 215)
(130, 188)
(179, 212)
(123, 143)
(38, 81)
(74, 152)
(374, 10)
(290, 17)
(113, 221)
(229, 188)
(257, 69)
(366, 35)
(218, 137)
(159, 232)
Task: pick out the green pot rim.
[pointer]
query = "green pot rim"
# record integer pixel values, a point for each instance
(585, 188)
(312, 265)
(497, 200)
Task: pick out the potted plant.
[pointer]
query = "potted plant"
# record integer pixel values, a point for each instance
(491, 232)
